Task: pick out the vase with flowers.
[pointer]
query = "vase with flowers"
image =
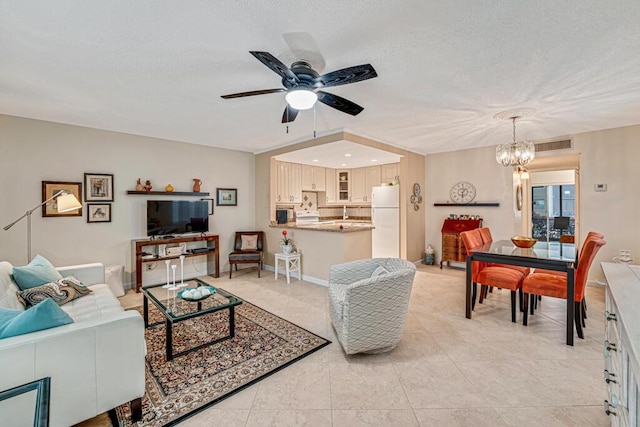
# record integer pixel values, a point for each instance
(286, 243)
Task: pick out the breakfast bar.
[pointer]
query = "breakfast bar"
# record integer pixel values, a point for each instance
(322, 245)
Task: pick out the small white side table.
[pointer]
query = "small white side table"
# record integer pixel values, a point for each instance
(291, 264)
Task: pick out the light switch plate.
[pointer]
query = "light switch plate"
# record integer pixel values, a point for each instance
(600, 187)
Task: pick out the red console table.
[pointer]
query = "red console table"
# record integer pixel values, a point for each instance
(452, 245)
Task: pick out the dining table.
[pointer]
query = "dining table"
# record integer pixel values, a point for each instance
(547, 255)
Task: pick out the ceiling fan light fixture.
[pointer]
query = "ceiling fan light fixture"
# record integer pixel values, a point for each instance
(301, 99)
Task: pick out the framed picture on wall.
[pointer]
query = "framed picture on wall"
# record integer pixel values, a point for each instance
(98, 187)
(98, 212)
(49, 188)
(227, 196)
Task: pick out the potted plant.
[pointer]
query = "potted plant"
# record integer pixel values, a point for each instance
(286, 243)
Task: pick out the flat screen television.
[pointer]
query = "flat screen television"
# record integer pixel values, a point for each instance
(165, 217)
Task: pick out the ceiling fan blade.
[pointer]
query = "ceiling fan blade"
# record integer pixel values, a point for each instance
(274, 64)
(304, 47)
(339, 103)
(347, 75)
(289, 114)
(253, 92)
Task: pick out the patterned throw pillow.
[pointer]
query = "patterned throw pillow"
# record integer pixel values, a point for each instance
(249, 242)
(61, 291)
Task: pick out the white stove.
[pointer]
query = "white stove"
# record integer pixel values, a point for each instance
(307, 217)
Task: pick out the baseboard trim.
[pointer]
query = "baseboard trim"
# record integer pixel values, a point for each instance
(305, 277)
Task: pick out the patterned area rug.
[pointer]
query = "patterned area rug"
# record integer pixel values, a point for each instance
(264, 343)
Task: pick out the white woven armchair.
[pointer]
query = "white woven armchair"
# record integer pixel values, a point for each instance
(368, 305)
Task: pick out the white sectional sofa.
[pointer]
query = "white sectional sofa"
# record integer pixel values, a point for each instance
(95, 363)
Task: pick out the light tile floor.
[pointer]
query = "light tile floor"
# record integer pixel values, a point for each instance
(447, 370)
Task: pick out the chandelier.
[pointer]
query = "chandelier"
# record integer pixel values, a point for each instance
(515, 153)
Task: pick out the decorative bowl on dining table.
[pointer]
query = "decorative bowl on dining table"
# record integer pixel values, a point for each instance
(523, 241)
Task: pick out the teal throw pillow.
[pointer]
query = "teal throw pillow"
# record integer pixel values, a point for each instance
(38, 272)
(45, 315)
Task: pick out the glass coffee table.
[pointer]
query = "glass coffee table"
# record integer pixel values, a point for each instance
(176, 310)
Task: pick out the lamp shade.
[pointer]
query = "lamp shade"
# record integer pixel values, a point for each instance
(301, 99)
(67, 202)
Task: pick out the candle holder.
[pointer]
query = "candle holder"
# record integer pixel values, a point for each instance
(182, 284)
(173, 287)
(168, 285)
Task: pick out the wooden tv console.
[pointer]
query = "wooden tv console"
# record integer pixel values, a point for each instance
(212, 253)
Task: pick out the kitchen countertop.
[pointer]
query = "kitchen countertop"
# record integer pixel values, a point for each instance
(347, 226)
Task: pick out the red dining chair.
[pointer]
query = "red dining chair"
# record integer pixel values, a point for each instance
(485, 233)
(554, 285)
(590, 235)
(491, 275)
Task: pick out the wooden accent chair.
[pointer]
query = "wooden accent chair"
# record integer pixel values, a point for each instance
(491, 274)
(247, 249)
(555, 285)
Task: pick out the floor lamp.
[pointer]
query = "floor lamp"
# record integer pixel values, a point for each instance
(66, 202)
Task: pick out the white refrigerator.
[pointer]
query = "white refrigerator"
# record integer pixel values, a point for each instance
(385, 217)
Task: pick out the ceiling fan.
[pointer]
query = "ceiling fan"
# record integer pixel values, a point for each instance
(302, 84)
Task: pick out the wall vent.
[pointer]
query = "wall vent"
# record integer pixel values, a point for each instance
(554, 145)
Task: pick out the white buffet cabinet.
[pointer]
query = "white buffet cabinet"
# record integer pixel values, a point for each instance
(622, 343)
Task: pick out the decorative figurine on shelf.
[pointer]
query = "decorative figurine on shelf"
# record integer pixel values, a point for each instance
(168, 188)
(147, 185)
(196, 185)
(139, 186)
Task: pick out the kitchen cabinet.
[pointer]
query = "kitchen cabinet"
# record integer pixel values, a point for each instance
(295, 182)
(621, 360)
(373, 180)
(313, 178)
(363, 181)
(331, 185)
(358, 185)
(282, 191)
(344, 185)
(389, 172)
(289, 188)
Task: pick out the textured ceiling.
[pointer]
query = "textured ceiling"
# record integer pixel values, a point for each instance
(158, 68)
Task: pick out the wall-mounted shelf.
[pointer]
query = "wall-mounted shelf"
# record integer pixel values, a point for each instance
(167, 193)
(489, 204)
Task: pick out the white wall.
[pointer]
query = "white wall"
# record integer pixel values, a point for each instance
(493, 183)
(33, 151)
(609, 156)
